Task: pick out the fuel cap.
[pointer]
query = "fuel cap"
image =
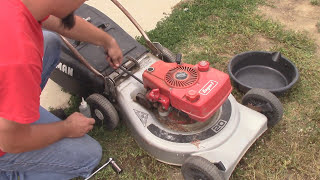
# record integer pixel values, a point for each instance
(203, 66)
(192, 95)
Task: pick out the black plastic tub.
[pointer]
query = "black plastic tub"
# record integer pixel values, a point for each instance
(266, 70)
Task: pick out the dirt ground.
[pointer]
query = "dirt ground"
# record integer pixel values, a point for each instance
(296, 15)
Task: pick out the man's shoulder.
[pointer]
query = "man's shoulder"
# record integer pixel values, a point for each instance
(17, 22)
(10, 11)
(21, 37)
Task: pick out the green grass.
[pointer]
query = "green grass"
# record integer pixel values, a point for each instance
(216, 30)
(315, 2)
(318, 26)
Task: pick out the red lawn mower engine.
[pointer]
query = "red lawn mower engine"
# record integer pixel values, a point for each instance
(197, 90)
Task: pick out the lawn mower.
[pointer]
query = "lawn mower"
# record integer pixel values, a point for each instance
(181, 114)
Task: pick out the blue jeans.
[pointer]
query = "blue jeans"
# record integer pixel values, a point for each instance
(65, 159)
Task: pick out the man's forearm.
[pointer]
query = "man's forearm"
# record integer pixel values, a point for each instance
(16, 137)
(85, 31)
(32, 137)
(82, 31)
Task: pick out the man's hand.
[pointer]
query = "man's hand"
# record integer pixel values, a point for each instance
(114, 53)
(77, 125)
(17, 138)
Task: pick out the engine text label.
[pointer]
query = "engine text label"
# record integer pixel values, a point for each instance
(208, 87)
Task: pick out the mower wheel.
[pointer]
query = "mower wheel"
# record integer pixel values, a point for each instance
(196, 168)
(166, 54)
(103, 111)
(265, 102)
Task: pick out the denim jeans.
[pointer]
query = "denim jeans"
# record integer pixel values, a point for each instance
(65, 159)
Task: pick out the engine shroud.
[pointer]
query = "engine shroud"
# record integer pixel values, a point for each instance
(198, 90)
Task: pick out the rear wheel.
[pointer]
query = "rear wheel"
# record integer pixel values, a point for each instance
(103, 111)
(198, 168)
(266, 103)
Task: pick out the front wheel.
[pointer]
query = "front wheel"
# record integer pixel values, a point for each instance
(199, 168)
(103, 111)
(266, 103)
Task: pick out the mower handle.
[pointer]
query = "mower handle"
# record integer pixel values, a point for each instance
(80, 57)
(135, 23)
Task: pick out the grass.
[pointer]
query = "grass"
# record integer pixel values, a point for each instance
(315, 2)
(318, 26)
(217, 30)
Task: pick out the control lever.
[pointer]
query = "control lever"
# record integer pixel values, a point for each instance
(178, 58)
(129, 73)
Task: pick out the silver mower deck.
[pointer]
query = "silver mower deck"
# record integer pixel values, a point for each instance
(222, 140)
(215, 146)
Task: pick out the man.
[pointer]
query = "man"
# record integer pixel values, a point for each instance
(34, 144)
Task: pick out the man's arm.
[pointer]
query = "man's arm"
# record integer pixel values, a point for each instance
(85, 31)
(17, 138)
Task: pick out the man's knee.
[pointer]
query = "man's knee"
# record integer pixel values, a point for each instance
(90, 152)
(95, 151)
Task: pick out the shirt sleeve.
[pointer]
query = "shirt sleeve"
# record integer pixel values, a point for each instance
(20, 92)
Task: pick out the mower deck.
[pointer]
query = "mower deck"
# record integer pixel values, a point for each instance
(219, 141)
(223, 139)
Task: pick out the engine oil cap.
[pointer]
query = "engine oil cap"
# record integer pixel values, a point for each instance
(203, 66)
(192, 95)
(150, 69)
